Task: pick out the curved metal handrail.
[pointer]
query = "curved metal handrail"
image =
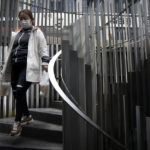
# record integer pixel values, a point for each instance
(71, 104)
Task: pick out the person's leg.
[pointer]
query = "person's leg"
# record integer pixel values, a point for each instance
(20, 96)
(27, 117)
(18, 103)
(21, 103)
(21, 89)
(16, 128)
(24, 105)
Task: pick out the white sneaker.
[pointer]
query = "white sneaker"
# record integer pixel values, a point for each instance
(16, 129)
(26, 120)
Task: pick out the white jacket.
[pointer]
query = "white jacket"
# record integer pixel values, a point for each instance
(37, 48)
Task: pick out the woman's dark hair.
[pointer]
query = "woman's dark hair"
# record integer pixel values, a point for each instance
(27, 12)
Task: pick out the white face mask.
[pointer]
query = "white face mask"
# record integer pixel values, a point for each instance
(25, 24)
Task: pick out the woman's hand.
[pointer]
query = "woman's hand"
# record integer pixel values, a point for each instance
(45, 68)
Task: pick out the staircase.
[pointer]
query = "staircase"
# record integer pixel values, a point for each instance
(45, 133)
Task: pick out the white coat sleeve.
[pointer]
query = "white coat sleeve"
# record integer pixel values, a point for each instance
(43, 50)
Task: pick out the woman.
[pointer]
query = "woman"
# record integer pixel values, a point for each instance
(23, 65)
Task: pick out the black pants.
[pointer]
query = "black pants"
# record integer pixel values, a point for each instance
(19, 87)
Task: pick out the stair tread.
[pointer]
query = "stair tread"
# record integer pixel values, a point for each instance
(26, 142)
(47, 110)
(36, 124)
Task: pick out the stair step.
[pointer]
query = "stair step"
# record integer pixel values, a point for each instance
(50, 115)
(23, 143)
(38, 130)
